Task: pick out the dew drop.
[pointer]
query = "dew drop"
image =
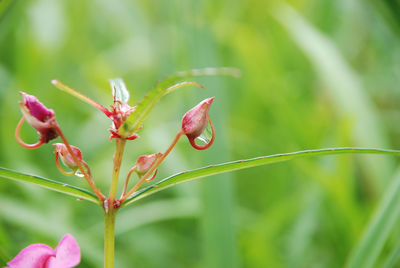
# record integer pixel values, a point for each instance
(79, 174)
(205, 136)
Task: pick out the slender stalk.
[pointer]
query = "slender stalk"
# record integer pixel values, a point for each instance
(127, 181)
(71, 173)
(88, 178)
(21, 142)
(109, 209)
(80, 96)
(153, 168)
(119, 151)
(109, 238)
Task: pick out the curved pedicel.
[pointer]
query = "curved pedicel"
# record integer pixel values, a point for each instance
(21, 142)
(66, 173)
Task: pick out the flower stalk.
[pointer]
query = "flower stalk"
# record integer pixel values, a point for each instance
(153, 168)
(119, 151)
(86, 175)
(111, 206)
(21, 142)
(109, 237)
(127, 181)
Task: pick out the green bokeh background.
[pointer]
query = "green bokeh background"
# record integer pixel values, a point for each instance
(314, 74)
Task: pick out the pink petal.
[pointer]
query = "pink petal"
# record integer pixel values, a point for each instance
(33, 256)
(68, 254)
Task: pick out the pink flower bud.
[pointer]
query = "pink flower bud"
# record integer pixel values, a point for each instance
(195, 121)
(145, 162)
(66, 157)
(39, 117)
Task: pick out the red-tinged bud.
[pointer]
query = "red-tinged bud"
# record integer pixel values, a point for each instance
(39, 117)
(67, 159)
(195, 121)
(145, 162)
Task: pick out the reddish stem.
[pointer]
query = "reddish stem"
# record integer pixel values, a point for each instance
(86, 175)
(127, 180)
(154, 175)
(153, 168)
(21, 142)
(88, 169)
(71, 173)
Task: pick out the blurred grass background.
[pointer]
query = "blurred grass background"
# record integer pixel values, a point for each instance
(315, 74)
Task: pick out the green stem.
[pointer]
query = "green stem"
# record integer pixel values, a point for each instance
(109, 238)
(119, 151)
(109, 209)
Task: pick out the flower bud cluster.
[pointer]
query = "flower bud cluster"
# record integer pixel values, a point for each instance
(194, 125)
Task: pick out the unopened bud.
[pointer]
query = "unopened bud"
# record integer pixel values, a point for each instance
(145, 162)
(195, 121)
(38, 116)
(66, 157)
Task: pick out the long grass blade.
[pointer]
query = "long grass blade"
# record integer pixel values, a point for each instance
(241, 164)
(378, 229)
(344, 88)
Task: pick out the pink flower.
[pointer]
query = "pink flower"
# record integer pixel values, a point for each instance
(67, 254)
(39, 117)
(195, 121)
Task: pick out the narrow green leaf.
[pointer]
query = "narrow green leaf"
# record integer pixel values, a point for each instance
(241, 164)
(49, 184)
(379, 227)
(393, 258)
(164, 87)
(343, 87)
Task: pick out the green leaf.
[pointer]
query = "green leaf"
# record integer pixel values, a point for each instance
(393, 258)
(144, 107)
(379, 227)
(241, 164)
(49, 184)
(343, 86)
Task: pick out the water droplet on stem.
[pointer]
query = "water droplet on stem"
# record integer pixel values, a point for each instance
(79, 174)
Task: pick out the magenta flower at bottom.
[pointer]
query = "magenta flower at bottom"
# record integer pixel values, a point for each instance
(66, 255)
